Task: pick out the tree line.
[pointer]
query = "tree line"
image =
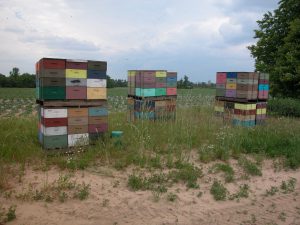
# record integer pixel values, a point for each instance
(26, 80)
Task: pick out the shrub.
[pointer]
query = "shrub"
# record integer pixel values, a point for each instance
(284, 107)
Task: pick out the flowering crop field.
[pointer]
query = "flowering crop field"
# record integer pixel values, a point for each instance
(21, 101)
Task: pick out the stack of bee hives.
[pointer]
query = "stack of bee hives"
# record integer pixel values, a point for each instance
(241, 97)
(151, 94)
(72, 102)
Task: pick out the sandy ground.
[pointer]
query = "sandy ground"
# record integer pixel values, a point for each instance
(111, 202)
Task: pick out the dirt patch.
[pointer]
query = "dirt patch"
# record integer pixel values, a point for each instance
(111, 202)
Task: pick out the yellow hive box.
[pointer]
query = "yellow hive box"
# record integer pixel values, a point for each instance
(72, 73)
(263, 111)
(160, 73)
(96, 93)
(230, 86)
(244, 106)
(258, 111)
(131, 73)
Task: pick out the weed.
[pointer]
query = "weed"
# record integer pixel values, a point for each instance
(242, 193)
(135, 182)
(200, 193)
(82, 192)
(11, 213)
(282, 216)
(288, 186)
(172, 197)
(63, 196)
(219, 191)
(187, 173)
(249, 167)
(227, 169)
(272, 191)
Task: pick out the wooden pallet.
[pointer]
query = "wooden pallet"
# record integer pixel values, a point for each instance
(70, 103)
(153, 98)
(240, 100)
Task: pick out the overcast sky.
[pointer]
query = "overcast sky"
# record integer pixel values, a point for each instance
(193, 37)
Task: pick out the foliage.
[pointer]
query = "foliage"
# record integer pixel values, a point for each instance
(218, 191)
(277, 50)
(284, 107)
(184, 83)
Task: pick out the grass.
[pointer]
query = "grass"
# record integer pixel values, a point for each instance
(249, 167)
(218, 191)
(226, 169)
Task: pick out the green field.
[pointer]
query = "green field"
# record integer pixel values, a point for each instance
(21, 101)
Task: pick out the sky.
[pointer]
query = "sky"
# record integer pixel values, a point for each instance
(195, 38)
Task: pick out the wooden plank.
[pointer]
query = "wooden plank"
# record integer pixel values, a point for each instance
(74, 103)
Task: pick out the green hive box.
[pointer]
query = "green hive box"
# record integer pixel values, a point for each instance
(52, 93)
(160, 91)
(57, 141)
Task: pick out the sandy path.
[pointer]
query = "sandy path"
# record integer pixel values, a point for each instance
(111, 202)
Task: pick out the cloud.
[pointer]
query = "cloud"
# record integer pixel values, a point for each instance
(195, 38)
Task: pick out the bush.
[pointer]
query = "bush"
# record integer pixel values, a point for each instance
(284, 107)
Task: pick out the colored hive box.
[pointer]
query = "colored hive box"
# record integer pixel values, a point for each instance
(160, 91)
(96, 74)
(171, 91)
(47, 63)
(98, 119)
(76, 64)
(78, 112)
(54, 142)
(52, 93)
(221, 78)
(146, 85)
(131, 73)
(98, 128)
(78, 139)
(96, 83)
(74, 73)
(52, 131)
(172, 74)
(54, 122)
(247, 75)
(231, 81)
(54, 112)
(230, 93)
(161, 73)
(221, 86)
(230, 86)
(96, 93)
(53, 73)
(148, 92)
(76, 82)
(263, 87)
(171, 79)
(231, 75)
(221, 92)
(161, 85)
(52, 82)
(250, 95)
(76, 93)
(172, 84)
(77, 129)
(97, 65)
(245, 87)
(98, 111)
(78, 121)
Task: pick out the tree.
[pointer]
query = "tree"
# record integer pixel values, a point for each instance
(185, 83)
(277, 49)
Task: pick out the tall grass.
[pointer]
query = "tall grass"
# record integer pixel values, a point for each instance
(160, 144)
